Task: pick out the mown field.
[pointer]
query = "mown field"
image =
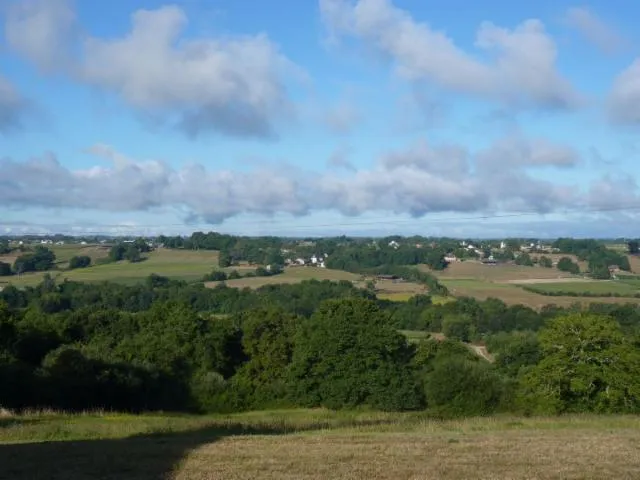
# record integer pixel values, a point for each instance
(317, 444)
(176, 264)
(512, 294)
(496, 273)
(602, 287)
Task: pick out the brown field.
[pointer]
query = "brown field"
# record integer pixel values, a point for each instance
(308, 444)
(497, 273)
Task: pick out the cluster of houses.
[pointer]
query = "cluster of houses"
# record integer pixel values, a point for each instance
(313, 261)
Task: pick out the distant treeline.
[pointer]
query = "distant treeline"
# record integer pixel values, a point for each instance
(595, 253)
(166, 345)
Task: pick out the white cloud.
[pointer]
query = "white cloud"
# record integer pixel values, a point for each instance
(417, 180)
(522, 73)
(42, 31)
(12, 106)
(603, 36)
(624, 97)
(342, 117)
(230, 85)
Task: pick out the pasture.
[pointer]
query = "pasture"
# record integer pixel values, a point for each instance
(290, 275)
(316, 444)
(594, 288)
(512, 294)
(176, 264)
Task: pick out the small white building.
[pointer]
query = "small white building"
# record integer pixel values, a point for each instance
(394, 244)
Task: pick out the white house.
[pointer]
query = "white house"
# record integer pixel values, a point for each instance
(394, 244)
(314, 260)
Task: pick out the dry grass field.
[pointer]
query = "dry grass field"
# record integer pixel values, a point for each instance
(497, 273)
(317, 444)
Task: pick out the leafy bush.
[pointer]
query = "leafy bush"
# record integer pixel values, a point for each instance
(81, 261)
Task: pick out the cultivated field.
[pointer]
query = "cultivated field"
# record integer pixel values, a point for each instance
(496, 273)
(594, 288)
(511, 294)
(176, 264)
(317, 444)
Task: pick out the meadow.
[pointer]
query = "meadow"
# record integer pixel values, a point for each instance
(187, 265)
(290, 275)
(468, 278)
(316, 444)
(596, 288)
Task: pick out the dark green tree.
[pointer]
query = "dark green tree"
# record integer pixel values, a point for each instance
(81, 261)
(545, 262)
(565, 264)
(117, 252)
(132, 254)
(587, 365)
(5, 269)
(349, 354)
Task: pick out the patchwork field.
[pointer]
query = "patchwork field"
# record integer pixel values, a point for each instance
(176, 264)
(317, 444)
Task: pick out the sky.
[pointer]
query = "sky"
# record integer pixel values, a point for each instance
(320, 117)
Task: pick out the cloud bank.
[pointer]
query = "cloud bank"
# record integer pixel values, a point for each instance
(417, 180)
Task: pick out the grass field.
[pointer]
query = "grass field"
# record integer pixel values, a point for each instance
(177, 264)
(317, 444)
(589, 288)
(291, 275)
(512, 294)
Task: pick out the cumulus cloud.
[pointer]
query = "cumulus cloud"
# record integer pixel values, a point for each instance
(42, 31)
(12, 106)
(624, 97)
(522, 73)
(342, 117)
(603, 36)
(519, 151)
(417, 180)
(230, 85)
(339, 159)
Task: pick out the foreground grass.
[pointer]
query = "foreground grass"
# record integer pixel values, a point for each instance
(317, 444)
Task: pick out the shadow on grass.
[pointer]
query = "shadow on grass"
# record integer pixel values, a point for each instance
(141, 457)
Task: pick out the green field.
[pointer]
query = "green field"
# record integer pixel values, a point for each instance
(176, 264)
(317, 444)
(603, 287)
(291, 275)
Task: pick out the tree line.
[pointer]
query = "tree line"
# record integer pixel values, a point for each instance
(167, 345)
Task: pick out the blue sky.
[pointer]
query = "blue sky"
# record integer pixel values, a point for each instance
(319, 117)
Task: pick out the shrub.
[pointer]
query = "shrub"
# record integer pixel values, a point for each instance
(81, 261)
